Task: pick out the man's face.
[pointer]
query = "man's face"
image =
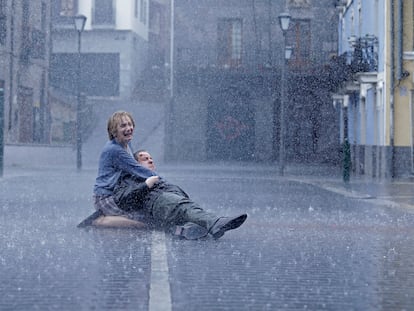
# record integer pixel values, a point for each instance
(124, 131)
(145, 159)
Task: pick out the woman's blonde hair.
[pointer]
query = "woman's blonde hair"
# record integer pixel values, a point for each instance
(116, 119)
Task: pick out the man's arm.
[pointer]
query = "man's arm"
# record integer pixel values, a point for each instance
(129, 193)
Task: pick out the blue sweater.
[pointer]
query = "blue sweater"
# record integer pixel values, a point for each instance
(114, 163)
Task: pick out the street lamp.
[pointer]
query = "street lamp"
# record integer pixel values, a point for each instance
(284, 20)
(79, 21)
(1, 128)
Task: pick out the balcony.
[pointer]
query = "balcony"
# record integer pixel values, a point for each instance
(364, 54)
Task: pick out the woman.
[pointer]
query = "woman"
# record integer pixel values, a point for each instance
(116, 161)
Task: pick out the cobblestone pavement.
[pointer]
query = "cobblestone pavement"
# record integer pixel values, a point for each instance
(310, 243)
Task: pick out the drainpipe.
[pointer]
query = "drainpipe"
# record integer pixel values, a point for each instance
(169, 131)
(392, 87)
(11, 68)
(400, 40)
(172, 15)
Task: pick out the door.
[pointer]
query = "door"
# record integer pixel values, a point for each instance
(25, 100)
(230, 126)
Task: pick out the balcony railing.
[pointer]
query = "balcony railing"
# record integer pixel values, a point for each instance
(364, 56)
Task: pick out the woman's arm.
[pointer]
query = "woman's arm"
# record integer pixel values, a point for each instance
(127, 164)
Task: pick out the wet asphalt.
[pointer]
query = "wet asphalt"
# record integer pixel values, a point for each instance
(310, 242)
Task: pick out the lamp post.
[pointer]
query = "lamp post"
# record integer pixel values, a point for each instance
(1, 128)
(79, 21)
(284, 20)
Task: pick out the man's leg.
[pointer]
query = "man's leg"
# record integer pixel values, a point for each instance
(171, 209)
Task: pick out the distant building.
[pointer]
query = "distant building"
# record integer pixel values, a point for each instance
(24, 70)
(114, 51)
(225, 81)
(114, 46)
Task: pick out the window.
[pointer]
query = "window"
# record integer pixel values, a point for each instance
(3, 22)
(3, 7)
(26, 13)
(38, 44)
(299, 37)
(62, 11)
(103, 12)
(229, 42)
(43, 17)
(143, 12)
(299, 3)
(25, 47)
(67, 7)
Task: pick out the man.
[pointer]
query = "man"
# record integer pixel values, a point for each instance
(170, 206)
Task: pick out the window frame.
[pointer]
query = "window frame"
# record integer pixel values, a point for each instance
(230, 42)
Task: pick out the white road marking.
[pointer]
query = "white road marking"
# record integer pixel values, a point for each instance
(160, 294)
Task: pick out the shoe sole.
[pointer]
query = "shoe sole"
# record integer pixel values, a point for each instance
(232, 224)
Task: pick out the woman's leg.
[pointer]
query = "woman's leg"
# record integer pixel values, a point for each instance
(117, 221)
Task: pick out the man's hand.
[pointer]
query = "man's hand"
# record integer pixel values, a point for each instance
(151, 181)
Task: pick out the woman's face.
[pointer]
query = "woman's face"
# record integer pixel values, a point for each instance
(124, 131)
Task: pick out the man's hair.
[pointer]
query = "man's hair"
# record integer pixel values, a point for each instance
(115, 119)
(136, 153)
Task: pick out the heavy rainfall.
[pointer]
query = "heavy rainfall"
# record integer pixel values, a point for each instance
(297, 113)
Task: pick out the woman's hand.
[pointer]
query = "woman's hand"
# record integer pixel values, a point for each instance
(151, 181)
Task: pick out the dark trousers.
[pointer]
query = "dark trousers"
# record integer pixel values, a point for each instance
(173, 209)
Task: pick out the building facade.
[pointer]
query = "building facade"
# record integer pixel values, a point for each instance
(376, 46)
(114, 56)
(225, 82)
(114, 46)
(24, 70)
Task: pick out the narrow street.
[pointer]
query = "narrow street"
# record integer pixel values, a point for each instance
(303, 246)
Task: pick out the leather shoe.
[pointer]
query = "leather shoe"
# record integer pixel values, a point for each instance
(224, 224)
(190, 231)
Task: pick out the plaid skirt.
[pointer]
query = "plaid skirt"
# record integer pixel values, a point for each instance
(106, 204)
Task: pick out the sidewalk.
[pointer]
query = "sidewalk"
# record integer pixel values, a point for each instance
(393, 193)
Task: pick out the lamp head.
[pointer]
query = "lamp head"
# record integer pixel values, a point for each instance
(288, 52)
(79, 21)
(284, 20)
